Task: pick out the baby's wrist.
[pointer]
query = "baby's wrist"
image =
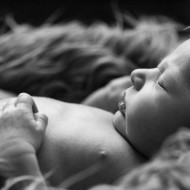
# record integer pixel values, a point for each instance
(15, 147)
(17, 158)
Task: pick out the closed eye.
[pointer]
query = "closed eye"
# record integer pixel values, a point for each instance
(161, 82)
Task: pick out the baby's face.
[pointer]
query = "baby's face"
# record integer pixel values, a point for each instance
(157, 103)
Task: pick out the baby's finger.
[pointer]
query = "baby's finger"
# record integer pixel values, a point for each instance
(42, 121)
(26, 101)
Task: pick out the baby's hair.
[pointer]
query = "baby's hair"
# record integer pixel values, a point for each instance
(71, 60)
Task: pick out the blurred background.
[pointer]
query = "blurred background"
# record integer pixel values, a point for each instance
(38, 12)
(111, 12)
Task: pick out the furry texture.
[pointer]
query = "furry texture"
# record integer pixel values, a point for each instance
(69, 61)
(169, 169)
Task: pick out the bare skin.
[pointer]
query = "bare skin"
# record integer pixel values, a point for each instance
(80, 139)
(158, 102)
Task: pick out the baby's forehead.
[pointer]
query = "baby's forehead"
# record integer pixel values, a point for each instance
(181, 53)
(179, 60)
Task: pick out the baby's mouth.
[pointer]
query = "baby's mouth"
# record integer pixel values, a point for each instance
(122, 107)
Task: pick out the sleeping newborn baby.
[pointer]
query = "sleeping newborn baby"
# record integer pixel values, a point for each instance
(100, 146)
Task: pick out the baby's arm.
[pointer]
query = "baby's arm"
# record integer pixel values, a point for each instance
(22, 129)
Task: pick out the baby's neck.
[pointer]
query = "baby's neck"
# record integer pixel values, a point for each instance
(140, 156)
(135, 158)
(135, 153)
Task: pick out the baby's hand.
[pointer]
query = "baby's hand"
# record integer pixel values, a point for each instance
(20, 122)
(22, 130)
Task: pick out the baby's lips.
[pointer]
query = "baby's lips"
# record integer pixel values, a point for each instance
(122, 107)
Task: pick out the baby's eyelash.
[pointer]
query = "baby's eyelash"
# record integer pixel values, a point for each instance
(160, 82)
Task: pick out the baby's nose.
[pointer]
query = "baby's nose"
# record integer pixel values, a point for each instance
(138, 78)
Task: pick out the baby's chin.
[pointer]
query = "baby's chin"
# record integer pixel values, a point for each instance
(120, 124)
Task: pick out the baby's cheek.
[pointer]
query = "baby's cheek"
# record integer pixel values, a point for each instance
(137, 131)
(120, 124)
